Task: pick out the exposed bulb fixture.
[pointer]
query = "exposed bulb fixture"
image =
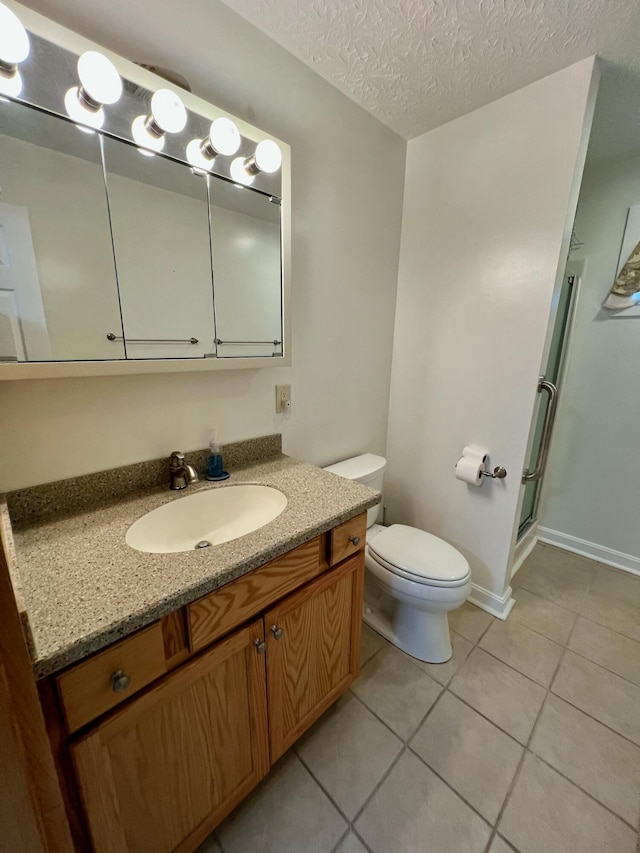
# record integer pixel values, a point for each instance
(266, 158)
(223, 138)
(168, 115)
(14, 49)
(239, 173)
(100, 84)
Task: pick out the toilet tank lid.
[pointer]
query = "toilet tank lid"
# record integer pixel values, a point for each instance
(359, 467)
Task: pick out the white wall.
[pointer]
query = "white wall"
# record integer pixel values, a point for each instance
(486, 212)
(347, 202)
(591, 484)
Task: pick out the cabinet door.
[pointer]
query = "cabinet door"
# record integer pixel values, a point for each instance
(313, 651)
(161, 773)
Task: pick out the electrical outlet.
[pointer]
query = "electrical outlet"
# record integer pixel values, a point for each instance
(283, 398)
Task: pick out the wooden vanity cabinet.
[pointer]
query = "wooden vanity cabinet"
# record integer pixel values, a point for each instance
(162, 770)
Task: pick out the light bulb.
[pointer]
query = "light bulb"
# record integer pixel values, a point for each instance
(101, 83)
(196, 158)
(14, 41)
(224, 136)
(81, 113)
(268, 157)
(10, 84)
(144, 137)
(168, 113)
(239, 172)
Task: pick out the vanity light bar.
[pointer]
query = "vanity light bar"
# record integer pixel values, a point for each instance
(14, 49)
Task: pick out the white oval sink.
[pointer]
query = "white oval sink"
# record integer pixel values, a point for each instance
(214, 516)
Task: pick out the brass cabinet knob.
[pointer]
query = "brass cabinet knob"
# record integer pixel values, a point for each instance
(120, 681)
(261, 646)
(277, 632)
(355, 540)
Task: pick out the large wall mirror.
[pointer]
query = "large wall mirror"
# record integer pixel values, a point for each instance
(133, 250)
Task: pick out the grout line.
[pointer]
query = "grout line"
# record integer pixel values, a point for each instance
(359, 813)
(580, 788)
(450, 786)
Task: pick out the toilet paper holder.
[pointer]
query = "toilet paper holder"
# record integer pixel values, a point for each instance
(498, 473)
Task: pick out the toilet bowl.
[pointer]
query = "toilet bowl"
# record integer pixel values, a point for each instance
(412, 579)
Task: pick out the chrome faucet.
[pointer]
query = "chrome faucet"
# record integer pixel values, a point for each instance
(181, 475)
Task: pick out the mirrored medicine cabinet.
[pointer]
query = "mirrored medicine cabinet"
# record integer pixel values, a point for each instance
(120, 253)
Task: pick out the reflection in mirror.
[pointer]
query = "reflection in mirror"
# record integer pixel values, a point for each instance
(245, 241)
(57, 278)
(160, 231)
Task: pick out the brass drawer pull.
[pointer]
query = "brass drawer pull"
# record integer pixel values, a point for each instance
(277, 632)
(120, 681)
(261, 646)
(355, 540)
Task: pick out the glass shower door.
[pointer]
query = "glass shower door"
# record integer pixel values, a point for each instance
(552, 374)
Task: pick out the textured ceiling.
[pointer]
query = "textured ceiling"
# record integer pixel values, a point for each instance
(416, 64)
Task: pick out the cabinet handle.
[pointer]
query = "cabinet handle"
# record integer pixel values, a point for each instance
(120, 681)
(261, 646)
(355, 540)
(277, 632)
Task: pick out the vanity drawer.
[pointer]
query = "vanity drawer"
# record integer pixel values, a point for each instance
(347, 539)
(222, 610)
(94, 686)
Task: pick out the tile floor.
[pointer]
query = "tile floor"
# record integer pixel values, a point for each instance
(528, 740)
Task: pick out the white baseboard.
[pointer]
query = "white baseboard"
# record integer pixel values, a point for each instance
(609, 556)
(492, 603)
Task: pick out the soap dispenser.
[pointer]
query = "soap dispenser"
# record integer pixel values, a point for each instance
(215, 471)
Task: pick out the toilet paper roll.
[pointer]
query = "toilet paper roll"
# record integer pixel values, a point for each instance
(472, 450)
(468, 469)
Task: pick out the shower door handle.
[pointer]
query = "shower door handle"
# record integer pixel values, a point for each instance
(547, 428)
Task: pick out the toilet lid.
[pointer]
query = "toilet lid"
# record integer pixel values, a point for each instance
(419, 553)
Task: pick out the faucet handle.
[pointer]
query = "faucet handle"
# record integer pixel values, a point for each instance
(176, 458)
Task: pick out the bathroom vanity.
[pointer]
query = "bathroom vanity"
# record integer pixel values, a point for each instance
(165, 713)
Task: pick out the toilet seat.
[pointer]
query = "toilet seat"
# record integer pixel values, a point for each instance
(419, 556)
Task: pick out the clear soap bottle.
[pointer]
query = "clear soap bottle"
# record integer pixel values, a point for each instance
(215, 469)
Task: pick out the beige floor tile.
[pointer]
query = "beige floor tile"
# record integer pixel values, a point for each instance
(470, 621)
(591, 755)
(612, 583)
(498, 845)
(601, 694)
(547, 813)
(370, 644)
(351, 844)
(287, 812)
(396, 690)
(559, 576)
(530, 653)
(542, 616)
(414, 811)
(612, 651)
(620, 616)
(444, 672)
(476, 758)
(507, 698)
(349, 751)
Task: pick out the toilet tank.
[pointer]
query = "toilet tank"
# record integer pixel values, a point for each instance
(367, 469)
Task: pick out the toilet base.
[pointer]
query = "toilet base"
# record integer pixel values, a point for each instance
(420, 633)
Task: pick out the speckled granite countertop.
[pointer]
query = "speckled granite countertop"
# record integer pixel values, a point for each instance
(83, 587)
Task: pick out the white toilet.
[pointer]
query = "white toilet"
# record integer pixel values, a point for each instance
(413, 578)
